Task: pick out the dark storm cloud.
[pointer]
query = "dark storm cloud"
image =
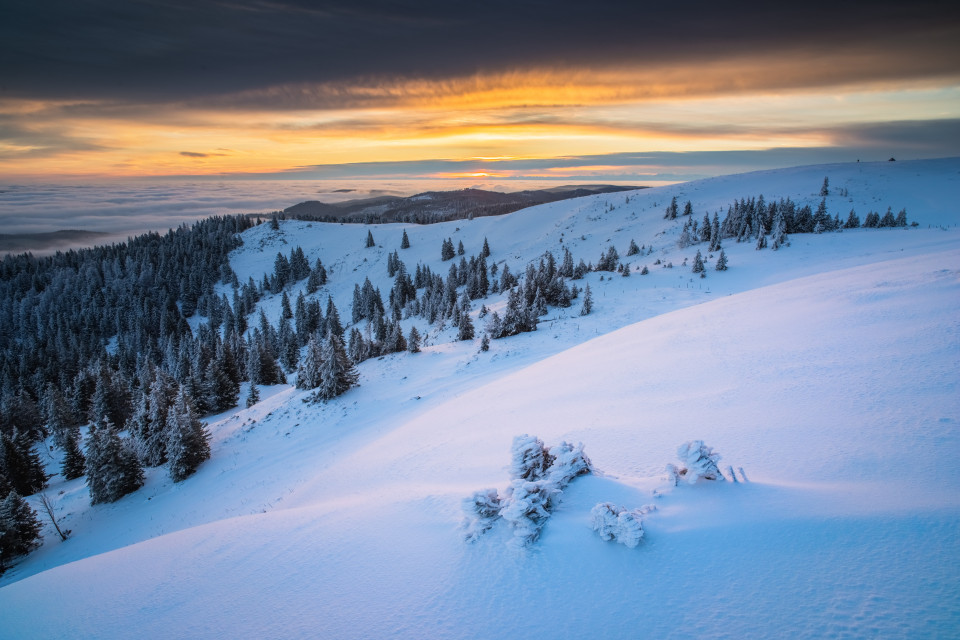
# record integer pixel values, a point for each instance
(167, 50)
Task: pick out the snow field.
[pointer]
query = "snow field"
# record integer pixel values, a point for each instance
(828, 371)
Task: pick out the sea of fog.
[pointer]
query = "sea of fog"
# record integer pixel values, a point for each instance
(124, 208)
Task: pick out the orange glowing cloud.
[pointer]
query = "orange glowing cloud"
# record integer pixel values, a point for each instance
(727, 104)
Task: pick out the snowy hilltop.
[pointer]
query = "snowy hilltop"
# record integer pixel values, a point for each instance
(693, 410)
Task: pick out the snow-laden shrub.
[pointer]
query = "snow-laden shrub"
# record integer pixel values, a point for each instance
(481, 511)
(697, 461)
(569, 462)
(539, 475)
(603, 518)
(619, 524)
(528, 508)
(529, 458)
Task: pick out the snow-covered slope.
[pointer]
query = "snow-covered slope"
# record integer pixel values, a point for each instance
(827, 370)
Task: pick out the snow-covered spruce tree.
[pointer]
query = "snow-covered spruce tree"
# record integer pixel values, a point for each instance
(722, 261)
(485, 342)
(308, 374)
(19, 528)
(369, 243)
(188, 444)
(853, 220)
(113, 469)
(447, 251)
(337, 372)
(587, 302)
(632, 250)
(405, 241)
(825, 189)
(21, 464)
(618, 524)
(149, 423)
(465, 329)
(253, 396)
(778, 234)
(56, 414)
(697, 460)
(672, 210)
(481, 511)
(698, 263)
(413, 340)
(761, 241)
(74, 464)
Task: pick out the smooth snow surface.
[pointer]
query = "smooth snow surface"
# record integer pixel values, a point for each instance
(827, 370)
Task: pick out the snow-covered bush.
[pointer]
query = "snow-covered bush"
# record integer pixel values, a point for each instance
(697, 461)
(618, 524)
(539, 475)
(529, 507)
(529, 459)
(569, 461)
(481, 511)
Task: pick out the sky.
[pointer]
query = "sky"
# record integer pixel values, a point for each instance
(615, 91)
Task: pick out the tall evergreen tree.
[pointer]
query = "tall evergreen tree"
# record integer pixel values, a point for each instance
(446, 250)
(308, 373)
(853, 220)
(19, 528)
(369, 243)
(74, 464)
(405, 241)
(333, 319)
(253, 395)
(722, 261)
(587, 302)
(188, 444)
(672, 210)
(779, 232)
(698, 263)
(337, 373)
(465, 329)
(21, 464)
(761, 240)
(113, 469)
(413, 340)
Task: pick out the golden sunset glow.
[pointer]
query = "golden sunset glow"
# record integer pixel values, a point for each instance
(537, 114)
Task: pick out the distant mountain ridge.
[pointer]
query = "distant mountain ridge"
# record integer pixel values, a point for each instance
(440, 206)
